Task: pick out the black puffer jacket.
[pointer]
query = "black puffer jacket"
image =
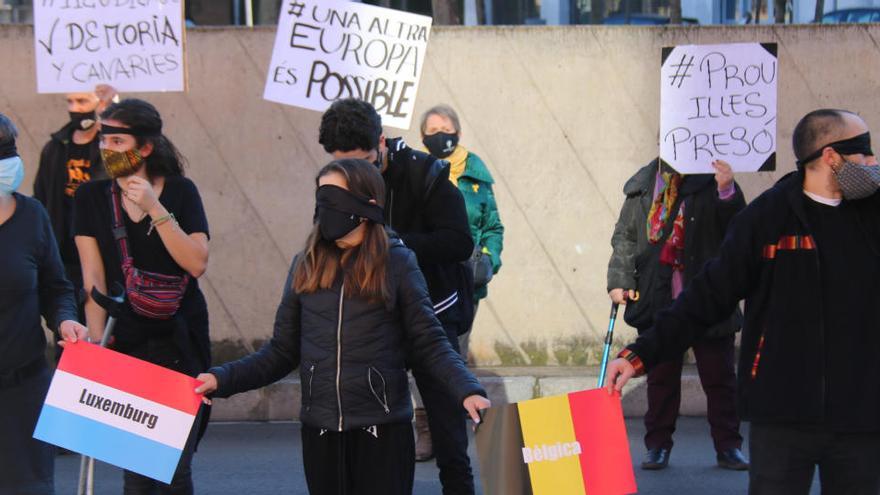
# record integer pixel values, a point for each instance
(353, 351)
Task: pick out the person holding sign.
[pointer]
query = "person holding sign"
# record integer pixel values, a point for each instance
(669, 226)
(145, 228)
(32, 285)
(805, 255)
(355, 310)
(69, 159)
(429, 214)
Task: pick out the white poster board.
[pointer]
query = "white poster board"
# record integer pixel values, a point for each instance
(132, 45)
(718, 102)
(326, 50)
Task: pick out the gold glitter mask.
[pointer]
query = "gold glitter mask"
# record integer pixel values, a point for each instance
(121, 163)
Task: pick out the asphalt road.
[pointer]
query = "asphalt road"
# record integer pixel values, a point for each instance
(265, 459)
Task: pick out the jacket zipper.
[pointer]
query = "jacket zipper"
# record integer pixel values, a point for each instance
(339, 355)
(391, 210)
(311, 377)
(384, 399)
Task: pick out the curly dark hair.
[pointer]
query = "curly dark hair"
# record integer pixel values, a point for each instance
(142, 117)
(350, 124)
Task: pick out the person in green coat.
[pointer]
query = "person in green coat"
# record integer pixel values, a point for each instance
(441, 132)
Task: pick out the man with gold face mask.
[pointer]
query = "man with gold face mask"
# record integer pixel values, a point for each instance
(69, 159)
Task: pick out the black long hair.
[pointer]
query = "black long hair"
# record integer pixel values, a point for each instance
(143, 118)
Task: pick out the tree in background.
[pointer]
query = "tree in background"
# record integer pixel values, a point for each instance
(446, 12)
(820, 10)
(779, 7)
(674, 11)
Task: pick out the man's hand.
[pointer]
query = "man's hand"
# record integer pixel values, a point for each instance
(723, 174)
(209, 384)
(620, 296)
(617, 374)
(71, 332)
(474, 404)
(106, 95)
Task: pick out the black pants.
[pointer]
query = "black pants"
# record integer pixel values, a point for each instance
(447, 422)
(715, 363)
(783, 459)
(376, 460)
(27, 466)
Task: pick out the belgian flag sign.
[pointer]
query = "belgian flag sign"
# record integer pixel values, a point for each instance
(573, 444)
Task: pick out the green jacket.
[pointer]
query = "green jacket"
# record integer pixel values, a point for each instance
(475, 185)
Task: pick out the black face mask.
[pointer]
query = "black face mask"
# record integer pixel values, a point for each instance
(441, 144)
(334, 224)
(339, 211)
(83, 120)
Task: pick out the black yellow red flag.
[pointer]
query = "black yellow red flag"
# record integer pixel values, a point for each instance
(574, 444)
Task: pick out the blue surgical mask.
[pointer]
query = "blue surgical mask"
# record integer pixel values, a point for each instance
(11, 174)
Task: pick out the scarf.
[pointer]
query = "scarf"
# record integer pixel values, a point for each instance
(457, 161)
(672, 252)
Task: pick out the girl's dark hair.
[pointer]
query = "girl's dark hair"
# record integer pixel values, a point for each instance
(365, 265)
(145, 121)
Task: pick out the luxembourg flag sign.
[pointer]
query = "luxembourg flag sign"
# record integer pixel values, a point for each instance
(120, 410)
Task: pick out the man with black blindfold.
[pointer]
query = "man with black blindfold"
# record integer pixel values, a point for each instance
(805, 256)
(428, 212)
(70, 159)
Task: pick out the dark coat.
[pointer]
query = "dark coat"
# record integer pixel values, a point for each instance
(429, 214)
(706, 220)
(52, 177)
(352, 352)
(782, 380)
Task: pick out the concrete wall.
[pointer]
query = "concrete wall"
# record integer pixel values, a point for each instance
(562, 115)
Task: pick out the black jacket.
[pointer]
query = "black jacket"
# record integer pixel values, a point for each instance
(429, 214)
(706, 220)
(351, 352)
(52, 177)
(782, 380)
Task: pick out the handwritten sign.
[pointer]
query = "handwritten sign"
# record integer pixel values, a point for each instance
(326, 50)
(132, 45)
(719, 102)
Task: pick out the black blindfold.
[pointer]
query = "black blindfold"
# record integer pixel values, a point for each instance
(131, 131)
(339, 199)
(860, 144)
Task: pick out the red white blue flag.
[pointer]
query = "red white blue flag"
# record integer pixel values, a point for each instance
(120, 410)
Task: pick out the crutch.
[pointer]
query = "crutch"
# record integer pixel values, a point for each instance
(609, 336)
(113, 305)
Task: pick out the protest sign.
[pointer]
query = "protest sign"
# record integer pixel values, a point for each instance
(132, 45)
(120, 410)
(718, 102)
(574, 444)
(326, 50)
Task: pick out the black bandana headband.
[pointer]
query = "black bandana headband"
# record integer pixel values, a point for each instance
(860, 144)
(339, 199)
(131, 131)
(8, 150)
